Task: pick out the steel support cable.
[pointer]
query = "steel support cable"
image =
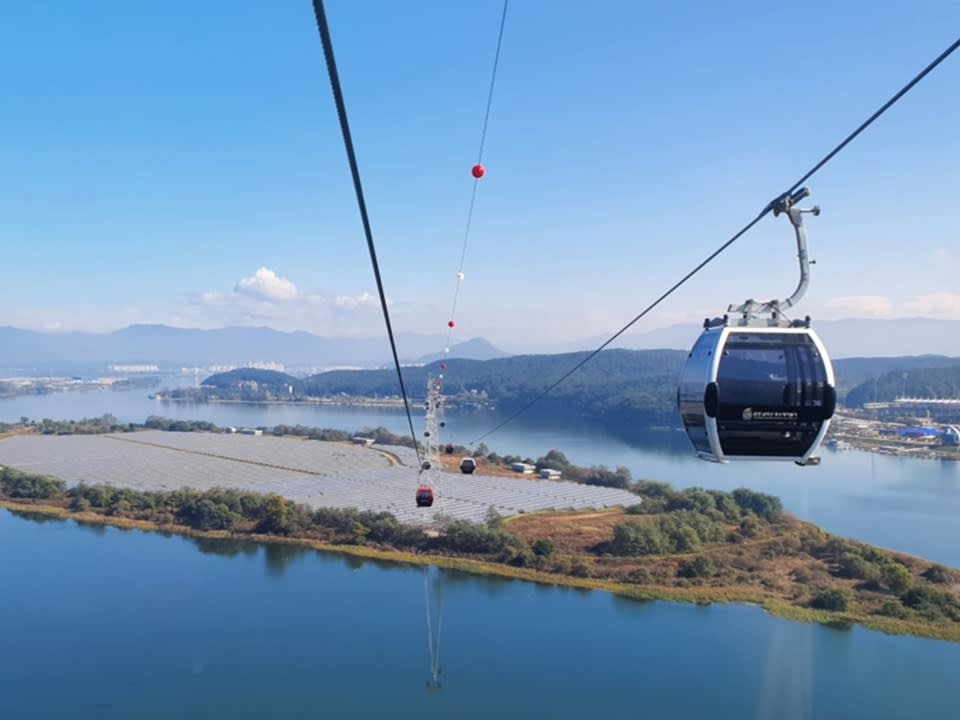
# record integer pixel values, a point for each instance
(476, 181)
(358, 188)
(770, 206)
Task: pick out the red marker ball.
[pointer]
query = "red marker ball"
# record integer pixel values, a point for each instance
(451, 324)
(478, 171)
(443, 366)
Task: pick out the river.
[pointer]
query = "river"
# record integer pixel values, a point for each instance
(102, 623)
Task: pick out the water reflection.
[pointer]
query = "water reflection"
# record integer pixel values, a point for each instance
(280, 557)
(489, 585)
(225, 547)
(95, 528)
(37, 517)
(353, 562)
(632, 606)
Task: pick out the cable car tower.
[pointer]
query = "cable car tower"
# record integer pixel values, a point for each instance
(431, 432)
(431, 444)
(759, 386)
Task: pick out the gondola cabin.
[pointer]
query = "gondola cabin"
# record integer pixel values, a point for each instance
(757, 393)
(468, 465)
(424, 496)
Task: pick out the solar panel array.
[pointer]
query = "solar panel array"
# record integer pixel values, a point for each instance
(320, 474)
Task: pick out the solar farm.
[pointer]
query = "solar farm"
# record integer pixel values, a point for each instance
(320, 474)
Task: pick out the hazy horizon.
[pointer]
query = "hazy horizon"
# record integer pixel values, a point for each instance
(845, 337)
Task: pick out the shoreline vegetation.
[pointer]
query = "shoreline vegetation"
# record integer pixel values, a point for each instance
(691, 545)
(644, 593)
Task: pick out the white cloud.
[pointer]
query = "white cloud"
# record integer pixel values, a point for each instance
(938, 305)
(268, 298)
(939, 255)
(351, 302)
(861, 306)
(942, 305)
(267, 285)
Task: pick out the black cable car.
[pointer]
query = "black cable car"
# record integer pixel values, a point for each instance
(424, 496)
(757, 393)
(468, 465)
(760, 387)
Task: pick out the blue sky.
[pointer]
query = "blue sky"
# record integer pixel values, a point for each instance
(180, 162)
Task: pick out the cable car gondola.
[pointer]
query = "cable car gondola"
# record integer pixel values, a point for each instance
(424, 496)
(759, 386)
(468, 465)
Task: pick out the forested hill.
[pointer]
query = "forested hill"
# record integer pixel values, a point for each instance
(616, 383)
(276, 382)
(943, 382)
(636, 385)
(852, 371)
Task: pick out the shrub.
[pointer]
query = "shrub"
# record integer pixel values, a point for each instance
(833, 599)
(21, 485)
(581, 567)
(544, 547)
(896, 577)
(699, 567)
(893, 608)
(937, 574)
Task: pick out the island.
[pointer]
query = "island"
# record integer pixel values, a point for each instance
(694, 545)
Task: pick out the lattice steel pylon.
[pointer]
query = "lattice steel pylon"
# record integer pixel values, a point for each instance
(431, 434)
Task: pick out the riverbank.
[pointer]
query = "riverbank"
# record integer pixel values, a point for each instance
(703, 595)
(325, 401)
(849, 432)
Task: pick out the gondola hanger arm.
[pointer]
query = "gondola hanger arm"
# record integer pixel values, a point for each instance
(786, 204)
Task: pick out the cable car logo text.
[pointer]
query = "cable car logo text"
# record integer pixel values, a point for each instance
(751, 414)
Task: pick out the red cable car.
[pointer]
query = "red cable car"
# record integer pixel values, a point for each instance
(424, 496)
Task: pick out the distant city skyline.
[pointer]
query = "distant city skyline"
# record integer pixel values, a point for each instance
(170, 174)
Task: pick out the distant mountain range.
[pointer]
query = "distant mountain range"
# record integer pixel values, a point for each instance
(168, 347)
(476, 349)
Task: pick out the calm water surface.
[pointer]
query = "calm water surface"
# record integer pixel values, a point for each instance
(102, 623)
